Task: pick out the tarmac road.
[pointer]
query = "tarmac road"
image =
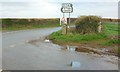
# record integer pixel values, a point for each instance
(19, 54)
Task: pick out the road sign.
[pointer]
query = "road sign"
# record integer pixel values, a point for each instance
(63, 20)
(67, 8)
(65, 5)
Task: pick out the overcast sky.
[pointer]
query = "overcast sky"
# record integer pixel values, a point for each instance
(51, 8)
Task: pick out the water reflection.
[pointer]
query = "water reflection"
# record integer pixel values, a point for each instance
(75, 64)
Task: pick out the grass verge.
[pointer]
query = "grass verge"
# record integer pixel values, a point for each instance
(107, 38)
(72, 37)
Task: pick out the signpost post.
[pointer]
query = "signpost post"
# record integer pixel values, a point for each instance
(66, 8)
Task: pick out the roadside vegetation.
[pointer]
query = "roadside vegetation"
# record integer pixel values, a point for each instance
(22, 24)
(107, 38)
(108, 34)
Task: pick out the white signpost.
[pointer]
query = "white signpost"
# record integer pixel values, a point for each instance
(66, 8)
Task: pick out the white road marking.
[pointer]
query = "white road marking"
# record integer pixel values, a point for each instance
(12, 46)
(26, 41)
(13, 31)
(10, 32)
(0, 70)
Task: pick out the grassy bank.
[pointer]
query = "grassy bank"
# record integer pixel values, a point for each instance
(107, 38)
(110, 30)
(72, 37)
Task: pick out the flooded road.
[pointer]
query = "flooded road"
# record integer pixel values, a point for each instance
(21, 51)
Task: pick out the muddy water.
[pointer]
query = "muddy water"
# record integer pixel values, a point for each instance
(28, 50)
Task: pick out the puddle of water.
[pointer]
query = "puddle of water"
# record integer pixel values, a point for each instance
(75, 64)
(74, 48)
(81, 49)
(71, 48)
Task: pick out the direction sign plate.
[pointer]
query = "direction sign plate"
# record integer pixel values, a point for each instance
(67, 8)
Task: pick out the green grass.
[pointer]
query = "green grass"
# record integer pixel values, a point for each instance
(109, 29)
(72, 37)
(111, 42)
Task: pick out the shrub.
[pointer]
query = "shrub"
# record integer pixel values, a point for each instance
(87, 24)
